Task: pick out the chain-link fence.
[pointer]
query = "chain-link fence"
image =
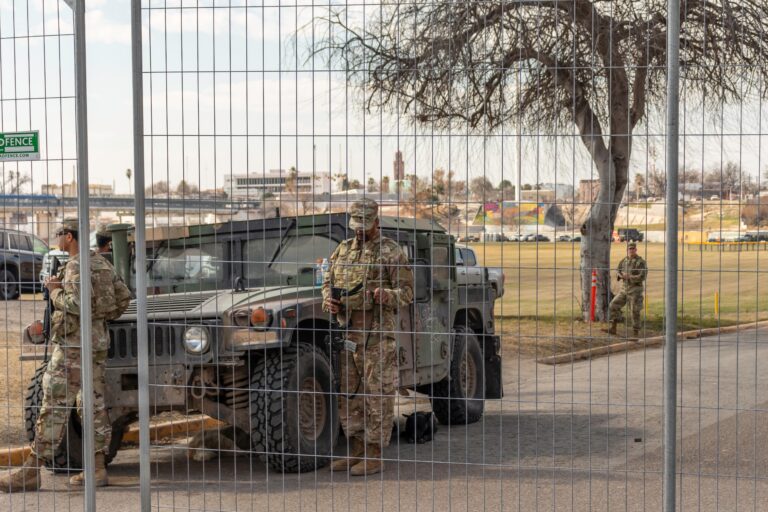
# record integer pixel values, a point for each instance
(406, 255)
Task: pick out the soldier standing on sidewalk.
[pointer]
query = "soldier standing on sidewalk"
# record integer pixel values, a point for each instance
(369, 373)
(61, 381)
(632, 271)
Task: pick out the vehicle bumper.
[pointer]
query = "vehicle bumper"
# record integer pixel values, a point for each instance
(494, 387)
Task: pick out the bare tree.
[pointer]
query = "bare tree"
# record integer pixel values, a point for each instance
(725, 178)
(507, 190)
(185, 188)
(13, 181)
(749, 185)
(755, 213)
(597, 65)
(481, 188)
(657, 183)
(569, 213)
(292, 181)
(157, 188)
(639, 185)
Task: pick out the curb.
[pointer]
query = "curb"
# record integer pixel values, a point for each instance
(15, 456)
(655, 341)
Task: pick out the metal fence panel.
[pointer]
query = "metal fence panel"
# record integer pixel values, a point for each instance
(513, 151)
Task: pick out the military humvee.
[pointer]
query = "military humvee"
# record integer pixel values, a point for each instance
(236, 331)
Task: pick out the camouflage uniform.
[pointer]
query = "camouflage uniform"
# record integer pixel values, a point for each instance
(369, 375)
(62, 379)
(632, 289)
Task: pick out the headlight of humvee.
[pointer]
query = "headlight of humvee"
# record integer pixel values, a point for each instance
(196, 340)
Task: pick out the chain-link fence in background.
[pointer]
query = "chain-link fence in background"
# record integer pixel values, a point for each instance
(511, 307)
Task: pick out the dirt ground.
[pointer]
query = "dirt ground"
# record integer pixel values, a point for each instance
(14, 374)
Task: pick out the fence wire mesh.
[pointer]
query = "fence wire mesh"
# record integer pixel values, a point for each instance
(37, 171)
(493, 340)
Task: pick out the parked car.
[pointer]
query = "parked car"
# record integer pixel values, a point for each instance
(516, 237)
(630, 235)
(468, 239)
(536, 237)
(21, 259)
(759, 236)
(468, 273)
(564, 238)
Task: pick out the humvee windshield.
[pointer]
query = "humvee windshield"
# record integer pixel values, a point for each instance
(290, 260)
(266, 259)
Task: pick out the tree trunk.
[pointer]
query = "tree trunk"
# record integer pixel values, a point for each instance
(596, 237)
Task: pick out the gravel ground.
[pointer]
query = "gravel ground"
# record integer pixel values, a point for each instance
(15, 375)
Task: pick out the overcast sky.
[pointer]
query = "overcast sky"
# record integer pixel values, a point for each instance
(279, 114)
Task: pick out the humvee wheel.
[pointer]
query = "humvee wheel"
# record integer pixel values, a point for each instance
(294, 409)
(69, 454)
(458, 399)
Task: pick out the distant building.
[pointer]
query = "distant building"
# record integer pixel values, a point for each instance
(539, 196)
(588, 191)
(70, 190)
(398, 167)
(562, 190)
(276, 182)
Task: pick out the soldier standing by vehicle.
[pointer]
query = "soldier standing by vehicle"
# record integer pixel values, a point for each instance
(379, 268)
(104, 242)
(632, 270)
(61, 382)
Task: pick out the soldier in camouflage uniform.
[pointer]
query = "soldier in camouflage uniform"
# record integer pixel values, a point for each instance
(61, 381)
(632, 271)
(369, 374)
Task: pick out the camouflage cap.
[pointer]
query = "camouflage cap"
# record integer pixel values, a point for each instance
(363, 214)
(631, 245)
(70, 224)
(103, 232)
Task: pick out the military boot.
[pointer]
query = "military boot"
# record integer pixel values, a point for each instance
(25, 478)
(612, 329)
(356, 451)
(99, 474)
(371, 464)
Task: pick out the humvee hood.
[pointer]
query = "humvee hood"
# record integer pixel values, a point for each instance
(211, 304)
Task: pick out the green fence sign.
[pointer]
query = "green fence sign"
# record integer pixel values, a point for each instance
(20, 145)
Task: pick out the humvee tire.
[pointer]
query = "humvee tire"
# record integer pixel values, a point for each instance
(459, 398)
(293, 408)
(69, 454)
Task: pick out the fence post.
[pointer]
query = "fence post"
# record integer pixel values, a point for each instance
(670, 275)
(593, 296)
(84, 239)
(141, 254)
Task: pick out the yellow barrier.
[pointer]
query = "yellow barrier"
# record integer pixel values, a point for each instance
(15, 456)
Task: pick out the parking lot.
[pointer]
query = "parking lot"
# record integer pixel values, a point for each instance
(585, 436)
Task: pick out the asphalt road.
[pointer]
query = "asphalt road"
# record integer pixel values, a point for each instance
(576, 437)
